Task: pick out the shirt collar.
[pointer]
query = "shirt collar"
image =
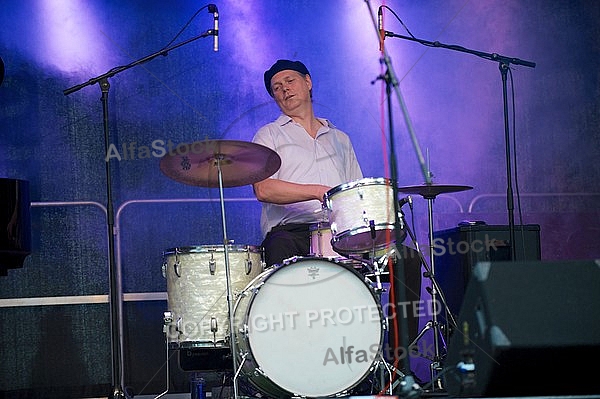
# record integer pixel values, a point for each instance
(283, 119)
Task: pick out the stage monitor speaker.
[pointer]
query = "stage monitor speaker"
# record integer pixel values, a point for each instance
(459, 249)
(527, 329)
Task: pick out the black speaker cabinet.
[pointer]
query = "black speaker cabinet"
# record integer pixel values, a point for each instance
(458, 250)
(527, 329)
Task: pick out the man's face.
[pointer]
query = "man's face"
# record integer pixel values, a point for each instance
(291, 89)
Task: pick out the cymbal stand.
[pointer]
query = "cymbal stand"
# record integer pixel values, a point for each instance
(435, 366)
(434, 292)
(218, 159)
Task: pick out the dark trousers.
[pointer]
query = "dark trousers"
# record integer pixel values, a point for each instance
(286, 241)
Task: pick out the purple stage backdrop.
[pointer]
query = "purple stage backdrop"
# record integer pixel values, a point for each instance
(55, 332)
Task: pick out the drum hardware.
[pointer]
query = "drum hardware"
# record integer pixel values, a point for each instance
(167, 320)
(430, 192)
(196, 290)
(212, 265)
(214, 327)
(361, 215)
(380, 263)
(321, 305)
(223, 163)
(380, 260)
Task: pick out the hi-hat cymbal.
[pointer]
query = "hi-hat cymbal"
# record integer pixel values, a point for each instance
(241, 162)
(432, 190)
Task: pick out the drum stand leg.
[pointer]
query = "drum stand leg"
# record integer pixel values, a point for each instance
(391, 370)
(434, 292)
(232, 343)
(168, 319)
(237, 372)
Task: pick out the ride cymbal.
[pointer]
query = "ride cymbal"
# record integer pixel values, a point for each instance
(241, 163)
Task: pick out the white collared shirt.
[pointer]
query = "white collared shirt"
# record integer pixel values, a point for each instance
(328, 159)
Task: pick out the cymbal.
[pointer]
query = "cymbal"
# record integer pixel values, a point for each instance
(432, 190)
(242, 163)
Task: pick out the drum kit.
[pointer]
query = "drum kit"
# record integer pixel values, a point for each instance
(313, 326)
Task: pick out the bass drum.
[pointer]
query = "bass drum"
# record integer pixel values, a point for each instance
(197, 290)
(311, 327)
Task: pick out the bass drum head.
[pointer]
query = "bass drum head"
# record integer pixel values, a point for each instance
(314, 328)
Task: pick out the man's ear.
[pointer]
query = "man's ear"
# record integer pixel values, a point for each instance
(308, 80)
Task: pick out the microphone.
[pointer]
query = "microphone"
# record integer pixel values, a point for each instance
(215, 12)
(380, 28)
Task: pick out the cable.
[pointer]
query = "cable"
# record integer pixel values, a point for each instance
(399, 20)
(184, 27)
(172, 40)
(517, 192)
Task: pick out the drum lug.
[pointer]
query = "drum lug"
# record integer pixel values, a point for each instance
(164, 269)
(334, 229)
(248, 266)
(212, 265)
(214, 327)
(177, 264)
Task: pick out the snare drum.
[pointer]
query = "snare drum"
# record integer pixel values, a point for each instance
(320, 241)
(361, 215)
(310, 327)
(197, 290)
(320, 246)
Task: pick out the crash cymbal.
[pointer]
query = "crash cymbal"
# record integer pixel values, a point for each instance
(242, 163)
(432, 190)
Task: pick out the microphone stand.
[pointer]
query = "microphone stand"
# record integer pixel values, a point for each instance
(408, 384)
(114, 270)
(504, 64)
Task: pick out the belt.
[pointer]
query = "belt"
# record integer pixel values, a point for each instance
(293, 227)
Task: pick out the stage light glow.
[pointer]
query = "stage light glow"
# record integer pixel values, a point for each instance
(248, 39)
(69, 36)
